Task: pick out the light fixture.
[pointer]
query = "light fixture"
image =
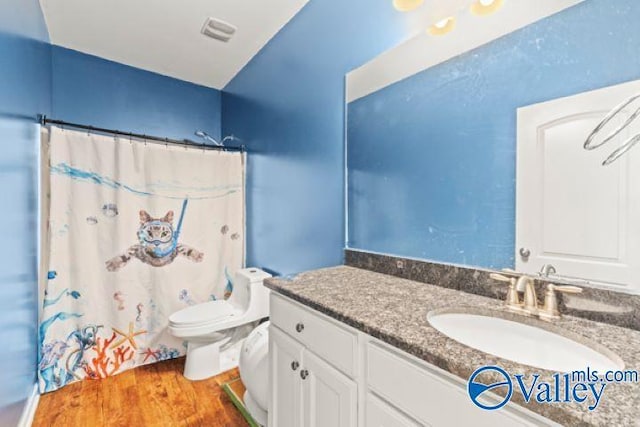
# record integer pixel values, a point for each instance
(442, 27)
(407, 5)
(486, 7)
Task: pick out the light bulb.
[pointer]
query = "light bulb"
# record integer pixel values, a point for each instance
(441, 24)
(442, 27)
(407, 5)
(486, 7)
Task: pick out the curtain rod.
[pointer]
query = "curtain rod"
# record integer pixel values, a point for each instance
(184, 143)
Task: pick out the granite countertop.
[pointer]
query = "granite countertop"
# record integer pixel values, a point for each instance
(394, 310)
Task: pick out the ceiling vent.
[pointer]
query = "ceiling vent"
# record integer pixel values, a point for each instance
(219, 30)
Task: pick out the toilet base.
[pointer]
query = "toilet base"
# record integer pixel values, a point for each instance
(205, 360)
(257, 413)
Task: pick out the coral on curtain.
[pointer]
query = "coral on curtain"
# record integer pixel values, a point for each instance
(135, 232)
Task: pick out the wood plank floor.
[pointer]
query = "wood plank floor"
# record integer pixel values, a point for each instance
(152, 395)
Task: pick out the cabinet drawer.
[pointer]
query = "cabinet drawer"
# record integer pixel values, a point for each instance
(381, 414)
(431, 396)
(327, 339)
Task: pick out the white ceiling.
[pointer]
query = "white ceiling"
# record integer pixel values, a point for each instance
(164, 35)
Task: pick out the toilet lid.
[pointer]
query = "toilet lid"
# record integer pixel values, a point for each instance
(202, 313)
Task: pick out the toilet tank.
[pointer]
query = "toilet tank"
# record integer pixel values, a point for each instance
(249, 293)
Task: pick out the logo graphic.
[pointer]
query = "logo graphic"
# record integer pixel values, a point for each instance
(477, 389)
(581, 387)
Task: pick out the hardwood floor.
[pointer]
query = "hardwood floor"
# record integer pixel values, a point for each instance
(152, 395)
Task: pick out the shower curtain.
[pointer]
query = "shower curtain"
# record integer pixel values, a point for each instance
(134, 232)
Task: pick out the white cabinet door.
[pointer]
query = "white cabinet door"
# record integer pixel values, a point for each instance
(381, 414)
(571, 212)
(286, 388)
(329, 397)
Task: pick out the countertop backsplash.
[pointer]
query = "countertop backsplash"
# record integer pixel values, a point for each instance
(600, 305)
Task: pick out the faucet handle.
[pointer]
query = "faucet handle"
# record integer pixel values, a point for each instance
(501, 278)
(550, 309)
(512, 300)
(507, 275)
(567, 289)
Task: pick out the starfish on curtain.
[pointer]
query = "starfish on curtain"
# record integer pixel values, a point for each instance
(127, 337)
(149, 352)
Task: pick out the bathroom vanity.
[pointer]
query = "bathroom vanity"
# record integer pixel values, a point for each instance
(325, 373)
(350, 347)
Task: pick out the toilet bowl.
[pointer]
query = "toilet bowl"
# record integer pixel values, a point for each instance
(254, 372)
(215, 330)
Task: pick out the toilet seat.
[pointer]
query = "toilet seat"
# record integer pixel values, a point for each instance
(202, 314)
(205, 320)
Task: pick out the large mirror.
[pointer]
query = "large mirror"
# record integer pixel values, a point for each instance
(465, 143)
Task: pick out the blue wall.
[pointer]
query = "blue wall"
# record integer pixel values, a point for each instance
(287, 105)
(25, 81)
(432, 158)
(37, 78)
(91, 90)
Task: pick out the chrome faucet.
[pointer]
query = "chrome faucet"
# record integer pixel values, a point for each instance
(547, 270)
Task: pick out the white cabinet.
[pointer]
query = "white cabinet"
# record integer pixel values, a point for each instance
(430, 395)
(305, 390)
(381, 414)
(286, 388)
(329, 397)
(323, 371)
(324, 337)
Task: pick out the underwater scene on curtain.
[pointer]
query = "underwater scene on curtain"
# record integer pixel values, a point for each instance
(135, 232)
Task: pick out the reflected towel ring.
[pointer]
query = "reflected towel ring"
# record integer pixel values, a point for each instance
(612, 114)
(628, 144)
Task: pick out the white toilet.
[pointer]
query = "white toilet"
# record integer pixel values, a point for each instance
(215, 330)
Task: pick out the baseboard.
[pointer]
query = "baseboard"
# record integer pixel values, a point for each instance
(29, 411)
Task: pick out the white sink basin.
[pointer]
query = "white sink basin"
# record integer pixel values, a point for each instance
(525, 344)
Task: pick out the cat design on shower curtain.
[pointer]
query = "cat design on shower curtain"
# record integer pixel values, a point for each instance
(158, 244)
